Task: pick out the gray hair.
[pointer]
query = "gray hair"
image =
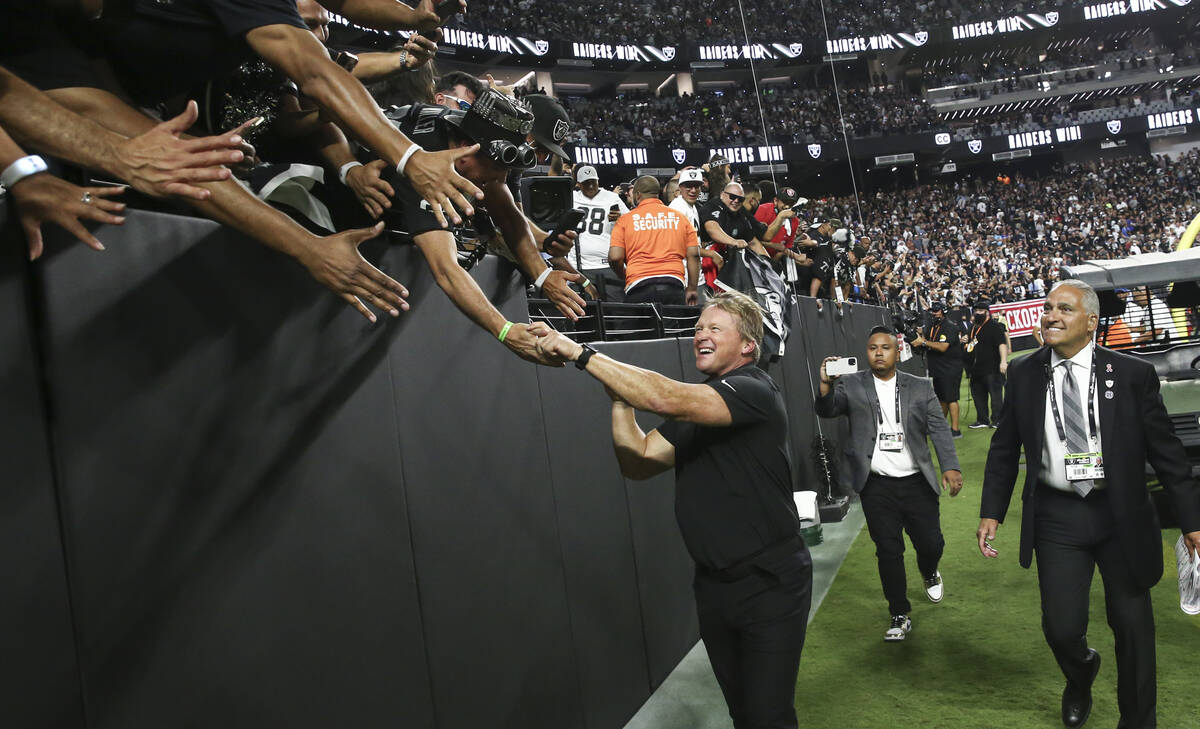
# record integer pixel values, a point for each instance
(1091, 302)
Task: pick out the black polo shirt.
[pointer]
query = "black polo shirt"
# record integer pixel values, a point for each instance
(739, 225)
(733, 485)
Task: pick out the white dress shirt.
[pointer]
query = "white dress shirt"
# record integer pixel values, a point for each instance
(896, 464)
(1054, 451)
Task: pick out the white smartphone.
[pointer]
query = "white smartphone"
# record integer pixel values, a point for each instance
(841, 366)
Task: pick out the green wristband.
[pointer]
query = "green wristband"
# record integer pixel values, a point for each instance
(504, 332)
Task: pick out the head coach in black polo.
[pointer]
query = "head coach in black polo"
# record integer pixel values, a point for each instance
(887, 463)
(1089, 419)
(727, 441)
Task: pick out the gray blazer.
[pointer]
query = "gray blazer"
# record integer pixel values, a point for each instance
(854, 395)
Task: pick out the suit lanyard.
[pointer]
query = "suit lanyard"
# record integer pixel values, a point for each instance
(1091, 408)
(879, 407)
(933, 332)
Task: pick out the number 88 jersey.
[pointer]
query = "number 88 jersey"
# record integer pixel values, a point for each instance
(595, 230)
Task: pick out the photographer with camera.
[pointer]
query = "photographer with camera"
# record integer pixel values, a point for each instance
(943, 356)
(494, 132)
(887, 461)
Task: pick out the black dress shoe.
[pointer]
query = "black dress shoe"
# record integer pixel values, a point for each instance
(1077, 701)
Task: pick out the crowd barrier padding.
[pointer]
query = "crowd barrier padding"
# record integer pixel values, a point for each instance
(39, 677)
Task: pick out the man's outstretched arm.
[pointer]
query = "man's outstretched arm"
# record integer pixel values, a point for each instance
(390, 14)
(298, 54)
(334, 261)
(158, 161)
(644, 389)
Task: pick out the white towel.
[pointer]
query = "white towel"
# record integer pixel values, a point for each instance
(1189, 579)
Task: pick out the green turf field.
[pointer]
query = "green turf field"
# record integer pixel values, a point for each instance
(978, 658)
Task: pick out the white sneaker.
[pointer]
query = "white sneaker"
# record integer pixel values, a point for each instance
(1189, 579)
(933, 587)
(901, 624)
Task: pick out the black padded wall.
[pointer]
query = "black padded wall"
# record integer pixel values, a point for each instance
(593, 515)
(485, 536)
(39, 676)
(664, 570)
(233, 491)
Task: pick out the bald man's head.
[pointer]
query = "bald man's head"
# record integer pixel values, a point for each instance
(644, 187)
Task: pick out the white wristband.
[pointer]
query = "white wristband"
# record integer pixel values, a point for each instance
(346, 168)
(542, 278)
(20, 169)
(412, 149)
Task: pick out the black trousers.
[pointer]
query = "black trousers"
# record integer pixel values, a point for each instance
(1072, 536)
(982, 386)
(657, 291)
(607, 284)
(893, 506)
(753, 630)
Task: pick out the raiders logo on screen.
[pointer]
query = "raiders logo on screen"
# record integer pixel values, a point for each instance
(1114, 126)
(679, 155)
(814, 150)
(975, 145)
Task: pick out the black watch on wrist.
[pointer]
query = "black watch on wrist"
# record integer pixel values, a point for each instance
(584, 356)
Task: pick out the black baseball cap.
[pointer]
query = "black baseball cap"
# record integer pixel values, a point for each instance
(937, 306)
(982, 304)
(787, 195)
(551, 125)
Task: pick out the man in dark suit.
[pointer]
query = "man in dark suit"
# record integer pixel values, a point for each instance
(1089, 419)
(887, 463)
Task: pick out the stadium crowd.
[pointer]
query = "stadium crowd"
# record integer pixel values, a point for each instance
(1004, 239)
(794, 115)
(673, 23)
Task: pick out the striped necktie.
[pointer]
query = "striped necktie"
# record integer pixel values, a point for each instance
(1077, 439)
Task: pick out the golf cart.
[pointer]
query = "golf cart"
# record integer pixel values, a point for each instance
(1149, 306)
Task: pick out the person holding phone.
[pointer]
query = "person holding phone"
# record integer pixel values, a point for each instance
(603, 208)
(887, 462)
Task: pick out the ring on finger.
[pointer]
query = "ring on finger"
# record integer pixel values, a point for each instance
(86, 198)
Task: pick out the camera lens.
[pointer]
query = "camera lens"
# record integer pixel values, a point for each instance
(527, 157)
(504, 152)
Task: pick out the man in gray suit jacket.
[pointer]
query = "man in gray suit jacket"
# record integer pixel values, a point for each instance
(888, 464)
